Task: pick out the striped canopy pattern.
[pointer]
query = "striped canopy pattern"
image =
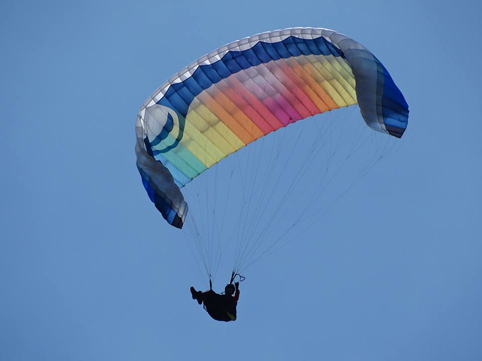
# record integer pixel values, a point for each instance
(248, 89)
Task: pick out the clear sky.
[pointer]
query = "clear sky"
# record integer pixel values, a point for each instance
(89, 270)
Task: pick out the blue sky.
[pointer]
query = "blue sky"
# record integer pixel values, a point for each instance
(90, 271)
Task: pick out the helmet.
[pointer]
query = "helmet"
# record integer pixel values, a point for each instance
(229, 289)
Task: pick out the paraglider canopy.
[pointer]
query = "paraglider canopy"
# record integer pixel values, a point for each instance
(247, 89)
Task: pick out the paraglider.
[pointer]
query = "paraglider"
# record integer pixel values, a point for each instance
(245, 90)
(221, 307)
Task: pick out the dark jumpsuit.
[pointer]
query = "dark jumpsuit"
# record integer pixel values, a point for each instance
(220, 307)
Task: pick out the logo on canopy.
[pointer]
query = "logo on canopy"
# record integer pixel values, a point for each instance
(164, 128)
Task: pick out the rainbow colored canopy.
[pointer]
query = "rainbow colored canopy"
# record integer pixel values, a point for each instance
(248, 89)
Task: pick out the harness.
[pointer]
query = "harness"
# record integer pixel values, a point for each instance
(217, 302)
